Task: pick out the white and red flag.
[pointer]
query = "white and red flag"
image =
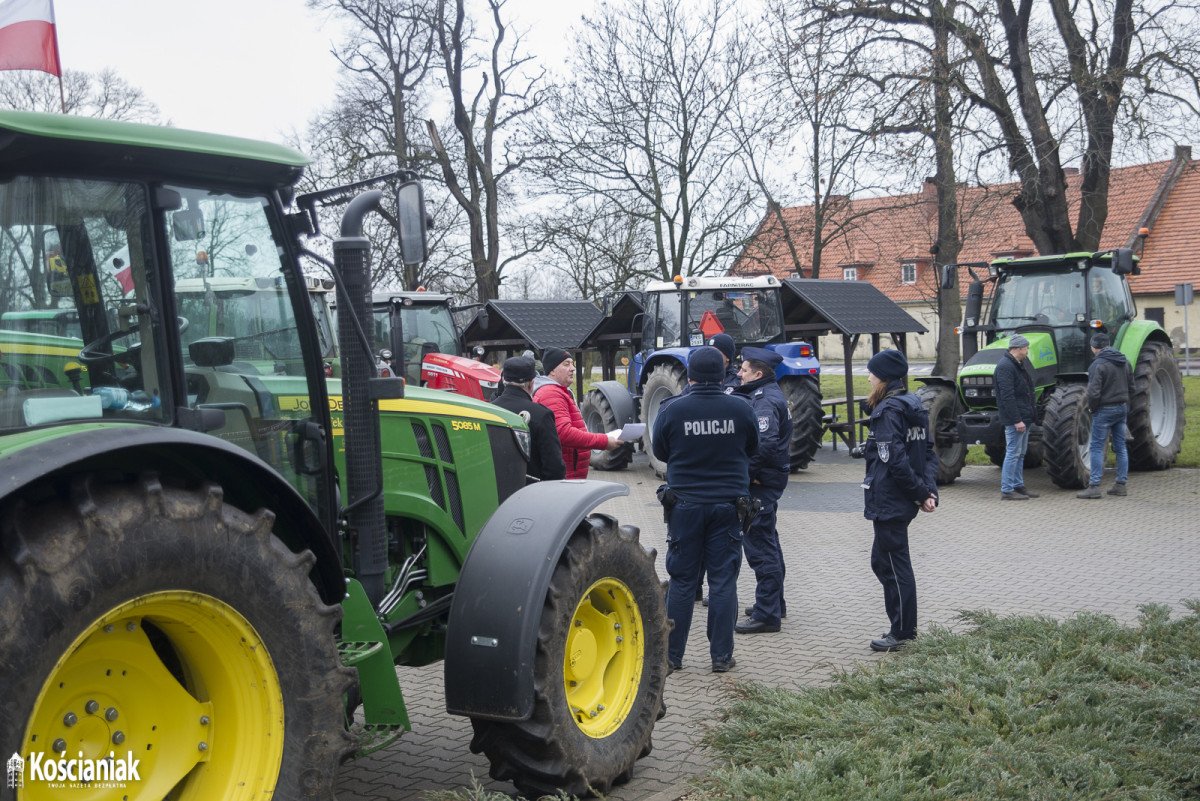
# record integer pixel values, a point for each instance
(27, 37)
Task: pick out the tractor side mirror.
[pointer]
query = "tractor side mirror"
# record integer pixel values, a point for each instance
(1122, 261)
(947, 276)
(410, 214)
(187, 225)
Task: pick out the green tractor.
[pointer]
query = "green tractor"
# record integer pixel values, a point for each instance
(1057, 303)
(213, 555)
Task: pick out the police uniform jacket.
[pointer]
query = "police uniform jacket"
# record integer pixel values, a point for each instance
(545, 452)
(901, 461)
(1109, 379)
(706, 438)
(1014, 391)
(772, 463)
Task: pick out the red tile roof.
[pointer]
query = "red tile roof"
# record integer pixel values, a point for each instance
(882, 233)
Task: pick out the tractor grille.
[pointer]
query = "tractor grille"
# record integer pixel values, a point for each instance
(422, 437)
(456, 508)
(443, 444)
(979, 392)
(435, 485)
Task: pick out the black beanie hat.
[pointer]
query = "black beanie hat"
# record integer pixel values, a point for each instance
(706, 365)
(553, 357)
(518, 370)
(725, 344)
(888, 365)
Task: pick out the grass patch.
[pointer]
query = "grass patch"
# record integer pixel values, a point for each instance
(1018, 708)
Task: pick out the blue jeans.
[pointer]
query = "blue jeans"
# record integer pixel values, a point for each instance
(1012, 474)
(708, 535)
(1109, 419)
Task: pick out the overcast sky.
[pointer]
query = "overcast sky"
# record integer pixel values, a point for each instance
(255, 68)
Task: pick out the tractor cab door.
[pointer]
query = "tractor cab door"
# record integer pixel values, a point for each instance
(252, 353)
(1109, 300)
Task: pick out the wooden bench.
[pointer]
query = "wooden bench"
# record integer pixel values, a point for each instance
(841, 428)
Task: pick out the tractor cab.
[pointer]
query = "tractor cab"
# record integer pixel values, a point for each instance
(689, 312)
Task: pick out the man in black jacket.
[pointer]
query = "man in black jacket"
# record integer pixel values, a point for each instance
(545, 452)
(1014, 398)
(1110, 381)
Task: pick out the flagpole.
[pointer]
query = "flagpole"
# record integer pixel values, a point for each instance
(62, 98)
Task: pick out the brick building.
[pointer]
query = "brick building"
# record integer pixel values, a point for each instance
(886, 240)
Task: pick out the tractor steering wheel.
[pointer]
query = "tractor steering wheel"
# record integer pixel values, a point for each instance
(91, 355)
(1056, 314)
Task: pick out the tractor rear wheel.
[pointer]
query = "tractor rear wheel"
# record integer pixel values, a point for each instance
(803, 395)
(943, 406)
(665, 380)
(163, 623)
(1155, 419)
(1067, 435)
(599, 418)
(599, 671)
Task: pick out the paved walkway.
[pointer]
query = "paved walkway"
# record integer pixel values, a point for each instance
(1055, 555)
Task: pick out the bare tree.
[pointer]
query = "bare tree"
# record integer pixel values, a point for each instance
(104, 95)
(1079, 75)
(646, 122)
(483, 110)
(599, 249)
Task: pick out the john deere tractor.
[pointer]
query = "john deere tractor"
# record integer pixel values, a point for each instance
(1057, 303)
(213, 555)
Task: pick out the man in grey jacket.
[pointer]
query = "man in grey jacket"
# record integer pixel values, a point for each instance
(1110, 382)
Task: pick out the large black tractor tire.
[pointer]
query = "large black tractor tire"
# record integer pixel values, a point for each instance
(944, 408)
(1155, 420)
(1067, 429)
(803, 395)
(664, 381)
(145, 618)
(599, 671)
(599, 418)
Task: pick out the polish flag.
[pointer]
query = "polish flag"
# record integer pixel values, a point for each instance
(27, 36)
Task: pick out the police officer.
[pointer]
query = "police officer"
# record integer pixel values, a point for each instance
(706, 438)
(545, 451)
(725, 344)
(901, 479)
(769, 469)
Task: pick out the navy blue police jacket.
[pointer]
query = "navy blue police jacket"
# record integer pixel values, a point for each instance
(706, 438)
(772, 463)
(901, 462)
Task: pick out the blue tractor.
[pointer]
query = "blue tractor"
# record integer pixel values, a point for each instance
(682, 315)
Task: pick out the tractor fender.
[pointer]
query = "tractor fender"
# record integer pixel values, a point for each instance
(492, 634)
(248, 482)
(619, 399)
(795, 362)
(936, 381)
(666, 355)
(1134, 335)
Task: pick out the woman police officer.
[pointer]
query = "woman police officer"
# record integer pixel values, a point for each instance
(901, 479)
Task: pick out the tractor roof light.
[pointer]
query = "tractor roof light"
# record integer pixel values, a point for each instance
(678, 280)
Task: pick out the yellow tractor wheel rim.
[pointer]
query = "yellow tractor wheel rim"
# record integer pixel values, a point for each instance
(605, 655)
(179, 682)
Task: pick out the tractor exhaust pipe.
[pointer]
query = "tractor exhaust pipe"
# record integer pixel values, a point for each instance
(364, 512)
(970, 332)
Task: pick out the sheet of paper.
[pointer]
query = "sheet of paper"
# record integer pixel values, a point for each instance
(630, 432)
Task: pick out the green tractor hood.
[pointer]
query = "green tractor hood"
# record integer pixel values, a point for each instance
(975, 378)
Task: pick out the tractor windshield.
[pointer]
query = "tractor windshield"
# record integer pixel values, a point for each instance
(750, 316)
(427, 328)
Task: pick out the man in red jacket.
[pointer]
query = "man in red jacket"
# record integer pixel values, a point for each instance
(554, 393)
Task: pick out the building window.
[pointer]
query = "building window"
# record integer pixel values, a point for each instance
(850, 274)
(908, 273)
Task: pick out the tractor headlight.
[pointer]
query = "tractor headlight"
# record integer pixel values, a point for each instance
(522, 438)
